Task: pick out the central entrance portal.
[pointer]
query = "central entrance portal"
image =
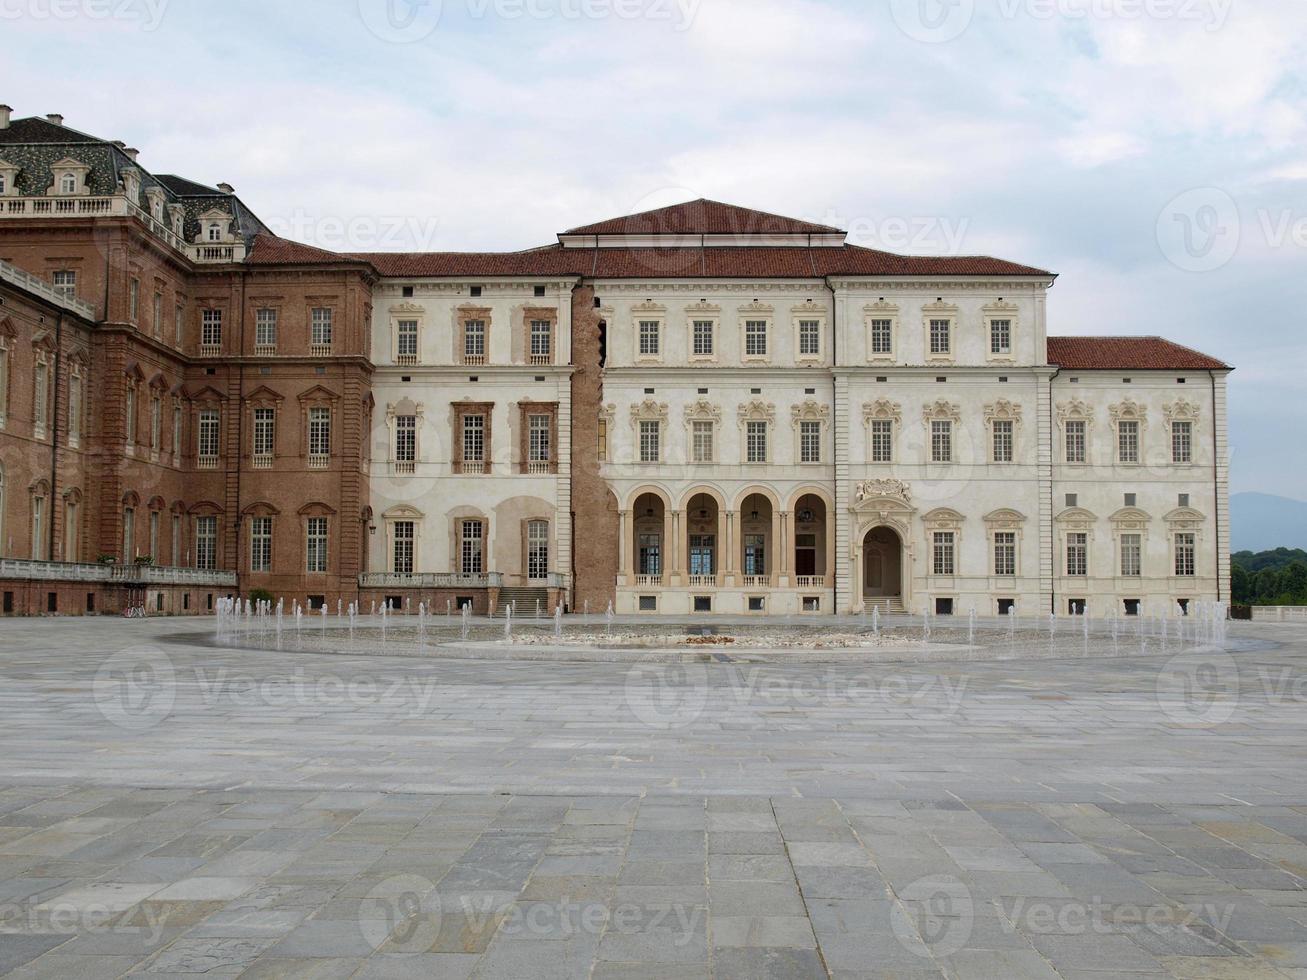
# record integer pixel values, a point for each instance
(882, 564)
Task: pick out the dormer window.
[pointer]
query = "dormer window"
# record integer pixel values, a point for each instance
(215, 232)
(68, 184)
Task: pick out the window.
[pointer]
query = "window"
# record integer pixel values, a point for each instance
(702, 554)
(650, 338)
(809, 338)
(74, 407)
(208, 436)
(701, 441)
(68, 184)
(65, 283)
(650, 439)
(320, 328)
(41, 399)
(319, 435)
(940, 341)
(156, 318)
(601, 435)
(942, 553)
(402, 556)
(474, 341)
(1184, 554)
(4, 380)
(1002, 441)
(156, 424)
(129, 534)
(1000, 336)
(176, 430)
(1182, 442)
(130, 413)
(537, 549)
(315, 537)
(1077, 553)
(755, 442)
(651, 554)
(175, 540)
(215, 231)
(211, 329)
(38, 528)
(755, 554)
(406, 443)
(470, 551)
(133, 299)
(882, 336)
(1132, 551)
(265, 427)
(809, 442)
(538, 448)
(1005, 552)
(703, 338)
(1127, 435)
(542, 337)
(882, 441)
(755, 338)
(72, 535)
(179, 324)
(260, 544)
(154, 535)
(474, 438)
(406, 341)
(206, 543)
(1075, 442)
(941, 441)
(265, 331)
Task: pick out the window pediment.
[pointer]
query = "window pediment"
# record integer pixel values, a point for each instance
(1003, 409)
(939, 309)
(263, 395)
(941, 411)
(403, 512)
(757, 410)
(1131, 518)
(703, 308)
(405, 406)
(1005, 517)
(1129, 411)
(407, 309)
(809, 308)
(1075, 409)
(882, 409)
(810, 411)
(316, 509)
(703, 411)
(318, 394)
(1185, 518)
(206, 508)
(757, 308)
(207, 395)
(648, 307)
(1181, 410)
(649, 411)
(943, 518)
(260, 508)
(872, 493)
(1077, 518)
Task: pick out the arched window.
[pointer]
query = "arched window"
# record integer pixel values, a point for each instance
(68, 184)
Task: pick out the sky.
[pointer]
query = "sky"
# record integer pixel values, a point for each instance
(1151, 152)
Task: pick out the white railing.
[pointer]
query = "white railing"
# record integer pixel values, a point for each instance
(15, 275)
(472, 466)
(756, 581)
(62, 571)
(233, 252)
(265, 350)
(648, 580)
(703, 581)
(542, 358)
(319, 461)
(475, 360)
(406, 360)
(428, 580)
(404, 467)
(1279, 614)
(539, 469)
(810, 581)
(319, 350)
(210, 350)
(206, 462)
(261, 461)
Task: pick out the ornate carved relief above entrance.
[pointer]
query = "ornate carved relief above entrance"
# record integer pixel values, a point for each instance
(880, 552)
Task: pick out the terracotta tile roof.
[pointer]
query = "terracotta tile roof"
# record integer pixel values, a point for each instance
(704, 217)
(1127, 353)
(271, 250)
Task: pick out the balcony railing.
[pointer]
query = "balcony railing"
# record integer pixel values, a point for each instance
(404, 467)
(210, 350)
(62, 571)
(810, 582)
(756, 581)
(536, 468)
(319, 461)
(206, 462)
(472, 467)
(31, 283)
(649, 580)
(233, 252)
(703, 581)
(542, 358)
(261, 461)
(429, 580)
(406, 360)
(265, 350)
(474, 360)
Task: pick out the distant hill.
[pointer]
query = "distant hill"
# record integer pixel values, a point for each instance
(1263, 522)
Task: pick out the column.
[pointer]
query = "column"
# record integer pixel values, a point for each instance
(855, 579)
(671, 544)
(732, 544)
(625, 549)
(830, 552)
(786, 551)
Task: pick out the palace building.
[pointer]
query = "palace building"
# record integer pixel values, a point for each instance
(699, 409)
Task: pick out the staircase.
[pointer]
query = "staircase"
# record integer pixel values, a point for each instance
(888, 605)
(524, 601)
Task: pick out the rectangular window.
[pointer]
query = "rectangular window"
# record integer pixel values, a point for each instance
(755, 442)
(755, 338)
(940, 340)
(755, 554)
(156, 320)
(650, 338)
(1075, 442)
(406, 341)
(176, 430)
(402, 557)
(406, 441)
(809, 442)
(702, 433)
(74, 407)
(1077, 553)
(882, 441)
(41, 399)
(470, 554)
(1005, 552)
(320, 329)
(265, 331)
(4, 381)
(178, 324)
(38, 528)
(1000, 336)
(650, 439)
(133, 300)
(65, 283)
(207, 441)
(154, 535)
(542, 337)
(1184, 554)
(474, 438)
(129, 411)
(809, 338)
(703, 338)
(206, 543)
(265, 427)
(156, 424)
(941, 441)
(175, 540)
(651, 562)
(882, 336)
(702, 554)
(129, 534)
(315, 537)
(538, 447)
(1127, 434)
(1182, 442)
(319, 433)
(474, 341)
(211, 328)
(1002, 441)
(537, 549)
(260, 544)
(943, 553)
(1132, 551)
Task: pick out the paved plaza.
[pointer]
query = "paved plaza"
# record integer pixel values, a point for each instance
(171, 807)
